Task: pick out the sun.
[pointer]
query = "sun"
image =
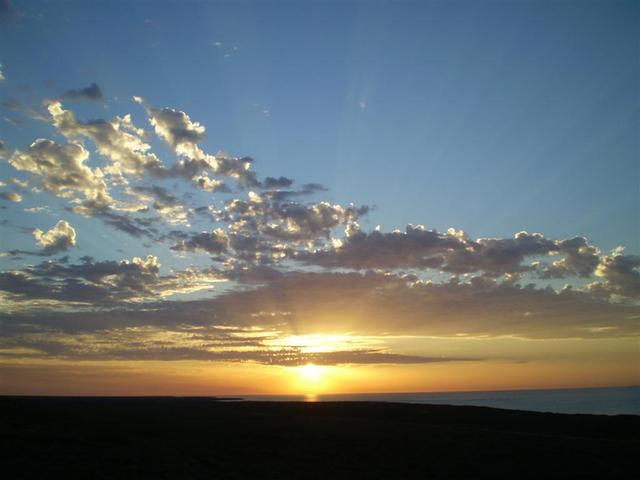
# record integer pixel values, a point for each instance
(311, 373)
(311, 379)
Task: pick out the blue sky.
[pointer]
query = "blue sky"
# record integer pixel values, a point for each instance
(489, 117)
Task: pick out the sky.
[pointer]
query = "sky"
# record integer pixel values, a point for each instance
(203, 198)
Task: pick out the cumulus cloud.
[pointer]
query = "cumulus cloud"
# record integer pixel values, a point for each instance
(119, 140)
(183, 135)
(177, 129)
(621, 273)
(92, 92)
(307, 222)
(60, 238)
(416, 247)
(61, 170)
(579, 259)
(454, 252)
(288, 221)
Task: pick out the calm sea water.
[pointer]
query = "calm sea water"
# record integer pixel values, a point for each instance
(607, 401)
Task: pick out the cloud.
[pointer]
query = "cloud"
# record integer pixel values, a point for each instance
(416, 247)
(59, 239)
(372, 304)
(621, 273)
(92, 92)
(580, 259)
(1, 74)
(134, 226)
(261, 230)
(280, 195)
(172, 210)
(176, 128)
(280, 182)
(288, 221)
(61, 170)
(214, 242)
(414, 281)
(11, 196)
(454, 252)
(119, 140)
(210, 184)
(215, 343)
(183, 135)
(303, 303)
(102, 282)
(26, 110)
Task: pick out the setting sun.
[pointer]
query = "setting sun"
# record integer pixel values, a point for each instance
(311, 378)
(311, 372)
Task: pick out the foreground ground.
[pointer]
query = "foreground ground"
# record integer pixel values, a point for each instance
(203, 438)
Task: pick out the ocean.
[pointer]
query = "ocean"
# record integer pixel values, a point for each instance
(603, 401)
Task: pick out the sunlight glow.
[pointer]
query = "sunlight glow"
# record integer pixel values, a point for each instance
(311, 379)
(319, 343)
(311, 373)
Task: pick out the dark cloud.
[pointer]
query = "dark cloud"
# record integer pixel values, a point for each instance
(180, 343)
(171, 208)
(416, 247)
(280, 182)
(135, 226)
(621, 273)
(162, 195)
(102, 282)
(310, 303)
(11, 196)
(580, 259)
(378, 303)
(285, 195)
(92, 92)
(216, 241)
(454, 252)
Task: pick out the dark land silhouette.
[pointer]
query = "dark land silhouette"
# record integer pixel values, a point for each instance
(62, 437)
